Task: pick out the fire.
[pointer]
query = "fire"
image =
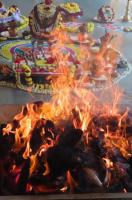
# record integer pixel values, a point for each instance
(33, 163)
(7, 129)
(108, 163)
(120, 142)
(74, 103)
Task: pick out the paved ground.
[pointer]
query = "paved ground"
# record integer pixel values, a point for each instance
(15, 96)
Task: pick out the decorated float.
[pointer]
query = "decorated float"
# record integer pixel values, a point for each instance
(60, 46)
(11, 22)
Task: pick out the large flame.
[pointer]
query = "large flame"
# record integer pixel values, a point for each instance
(71, 101)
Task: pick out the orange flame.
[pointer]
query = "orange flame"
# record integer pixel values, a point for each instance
(69, 94)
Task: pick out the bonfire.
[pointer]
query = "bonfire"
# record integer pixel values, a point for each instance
(72, 144)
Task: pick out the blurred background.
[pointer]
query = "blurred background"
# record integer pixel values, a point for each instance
(89, 7)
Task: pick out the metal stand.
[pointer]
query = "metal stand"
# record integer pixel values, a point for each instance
(127, 17)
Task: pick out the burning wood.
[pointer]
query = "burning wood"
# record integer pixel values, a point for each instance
(57, 155)
(74, 143)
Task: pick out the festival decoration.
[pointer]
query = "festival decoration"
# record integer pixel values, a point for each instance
(71, 7)
(44, 18)
(90, 27)
(35, 63)
(106, 14)
(11, 22)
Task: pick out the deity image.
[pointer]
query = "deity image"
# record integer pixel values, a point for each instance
(46, 16)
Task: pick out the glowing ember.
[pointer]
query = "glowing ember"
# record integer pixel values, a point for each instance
(58, 139)
(72, 143)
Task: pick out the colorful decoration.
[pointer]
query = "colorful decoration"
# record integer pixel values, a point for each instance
(90, 27)
(71, 7)
(45, 17)
(24, 73)
(11, 21)
(33, 64)
(106, 14)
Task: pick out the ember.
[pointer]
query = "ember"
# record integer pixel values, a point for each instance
(74, 143)
(52, 148)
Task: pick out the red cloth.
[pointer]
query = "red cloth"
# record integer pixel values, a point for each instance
(18, 60)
